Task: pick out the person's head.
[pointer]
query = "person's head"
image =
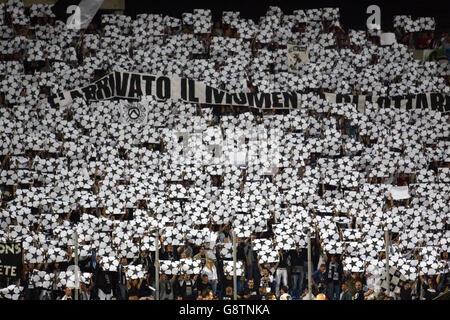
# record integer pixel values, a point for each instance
(134, 282)
(123, 261)
(228, 290)
(179, 297)
(205, 278)
(322, 267)
(358, 285)
(206, 294)
(246, 294)
(284, 290)
(321, 296)
(187, 276)
(202, 250)
(344, 287)
(183, 255)
(68, 292)
(333, 258)
(170, 247)
(262, 291)
(265, 272)
(251, 283)
(270, 296)
(406, 286)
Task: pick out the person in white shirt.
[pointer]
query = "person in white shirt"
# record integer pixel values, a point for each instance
(67, 295)
(373, 282)
(284, 295)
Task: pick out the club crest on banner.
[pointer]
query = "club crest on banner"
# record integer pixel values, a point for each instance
(297, 55)
(133, 112)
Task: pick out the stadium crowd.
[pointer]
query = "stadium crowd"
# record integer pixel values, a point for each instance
(336, 173)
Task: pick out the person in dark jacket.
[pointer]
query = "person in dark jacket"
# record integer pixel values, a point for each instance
(188, 288)
(334, 275)
(297, 260)
(103, 283)
(345, 294)
(122, 280)
(203, 283)
(169, 253)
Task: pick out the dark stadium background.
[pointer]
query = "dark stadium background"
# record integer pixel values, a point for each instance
(353, 12)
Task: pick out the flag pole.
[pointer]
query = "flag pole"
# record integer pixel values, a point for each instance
(77, 280)
(157, 263)
(234, 267)
(388, 280)
(309, 266)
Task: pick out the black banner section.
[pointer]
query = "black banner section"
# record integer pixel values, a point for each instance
(11, 260)
(135, 85)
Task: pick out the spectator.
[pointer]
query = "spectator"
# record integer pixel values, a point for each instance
(102, 282)
(85, 291)
(429, 287)
(188, 288)
(284, 293)
(204, 259)
(67, 295)
(266, 280)
(134, 288)
(281, 270)
(406, 291)
(228, 293)
(254, 291)
(319, 279)
(298, 259)
(166, 287)
(186, 249)
(211, 271)
(169, 253)
(345, 294)
(250, 260)
(246, 295)
(334, 276)
(122, 280)
(204, 283)
(359, 294)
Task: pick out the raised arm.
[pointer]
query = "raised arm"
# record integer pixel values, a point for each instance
(257, 262)
(128, 284)
(140, 283)
(414, 284)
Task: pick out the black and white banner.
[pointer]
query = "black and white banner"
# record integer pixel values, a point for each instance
(11, 259)
(135, 85)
